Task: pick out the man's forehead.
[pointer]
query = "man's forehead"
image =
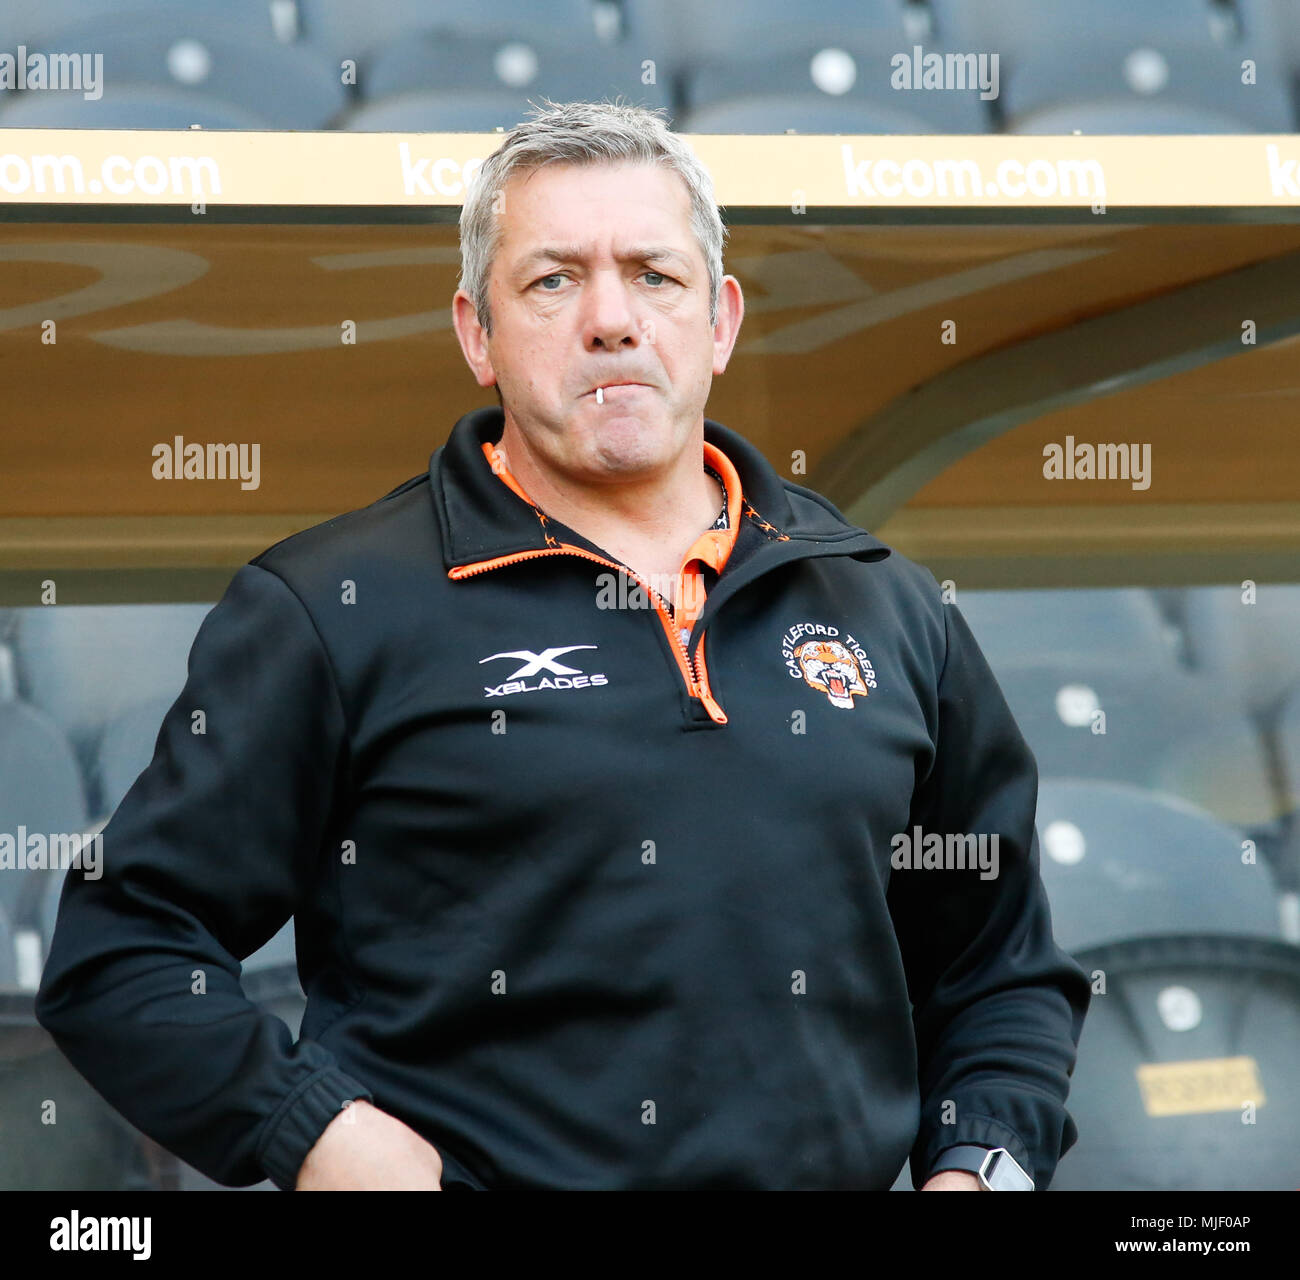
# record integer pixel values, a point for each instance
(548, 235)
(617, 172)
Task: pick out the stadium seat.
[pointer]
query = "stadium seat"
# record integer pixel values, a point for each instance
(1112, 66)
(1165, 730)
(1250, 647)
(8, 957)
(276, 989)
(279, 952)
(1120, 625)
(84, 664)
(1115, 118)
(270, 979)
(41, 790)
(572, 72)
(650, 25)
(1024, 31)
(131, 107)
(344, 29)
(807, 114)
(33, 22)
(88, 1147)
(1119, 863)
(52, 894)
(125, 749)
(1289, 736)
(290, 87)
(851, 73)
(1167, 89)
(463, 112)
(759, 28)
(1188, 1029)
(8, 669)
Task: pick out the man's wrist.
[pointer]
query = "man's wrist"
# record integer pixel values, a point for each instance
(952, 1180)
(995, 1168)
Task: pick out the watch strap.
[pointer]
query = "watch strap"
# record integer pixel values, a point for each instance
(972, 1158)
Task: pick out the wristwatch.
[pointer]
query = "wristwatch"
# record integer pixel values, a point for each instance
(995, 1167)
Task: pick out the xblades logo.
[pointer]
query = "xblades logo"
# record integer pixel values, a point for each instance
(565, 677)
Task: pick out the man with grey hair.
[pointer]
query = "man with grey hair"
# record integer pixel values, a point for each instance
(583, 791)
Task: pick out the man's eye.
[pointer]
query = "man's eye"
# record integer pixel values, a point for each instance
(559, 275)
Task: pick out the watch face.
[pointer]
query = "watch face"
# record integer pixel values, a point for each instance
(1002, 1173)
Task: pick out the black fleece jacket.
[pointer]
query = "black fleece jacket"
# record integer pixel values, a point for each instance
(554, 912)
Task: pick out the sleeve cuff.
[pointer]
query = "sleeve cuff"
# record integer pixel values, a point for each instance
(980, 1131)
(304, 1115)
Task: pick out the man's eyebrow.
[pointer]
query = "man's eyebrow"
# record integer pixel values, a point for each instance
(574, 253)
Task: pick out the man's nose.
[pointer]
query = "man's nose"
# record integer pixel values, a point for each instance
(610, 320)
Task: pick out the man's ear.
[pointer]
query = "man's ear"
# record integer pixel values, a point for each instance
(472, 338)
(731, 312)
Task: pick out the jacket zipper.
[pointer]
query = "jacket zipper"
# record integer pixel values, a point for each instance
(693, 671)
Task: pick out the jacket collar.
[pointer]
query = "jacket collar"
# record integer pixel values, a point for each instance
(480, 518)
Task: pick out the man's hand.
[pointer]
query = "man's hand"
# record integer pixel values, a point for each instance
(366, 1149)
(953, 1180)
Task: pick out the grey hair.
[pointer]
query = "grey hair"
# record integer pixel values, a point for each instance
(582, 133)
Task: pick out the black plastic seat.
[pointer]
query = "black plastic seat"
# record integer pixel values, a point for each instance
(190, 50)
(568, 71)
(1119, 862)
(1190, 1029)
(1165, 730)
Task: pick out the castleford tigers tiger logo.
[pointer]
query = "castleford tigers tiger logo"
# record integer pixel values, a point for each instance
(827, 665)
(835, 664)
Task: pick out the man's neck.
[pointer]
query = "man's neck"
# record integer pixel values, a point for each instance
(648, 525)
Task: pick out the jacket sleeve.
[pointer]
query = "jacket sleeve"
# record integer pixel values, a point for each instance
(201, 864)
(997, 1007)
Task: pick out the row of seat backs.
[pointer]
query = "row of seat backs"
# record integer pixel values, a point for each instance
(770, 67)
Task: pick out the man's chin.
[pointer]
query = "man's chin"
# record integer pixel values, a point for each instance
(625, 432)
(629, 446)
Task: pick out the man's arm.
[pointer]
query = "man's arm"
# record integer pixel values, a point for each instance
(203, 862)
(365, 1149)
(997, 1007)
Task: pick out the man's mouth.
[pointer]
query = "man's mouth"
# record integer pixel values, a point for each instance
(617, 390)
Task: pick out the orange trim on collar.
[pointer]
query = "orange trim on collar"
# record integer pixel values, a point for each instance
(497, 461)
(713, 546)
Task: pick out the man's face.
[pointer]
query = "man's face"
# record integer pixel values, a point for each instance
(597, 279)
